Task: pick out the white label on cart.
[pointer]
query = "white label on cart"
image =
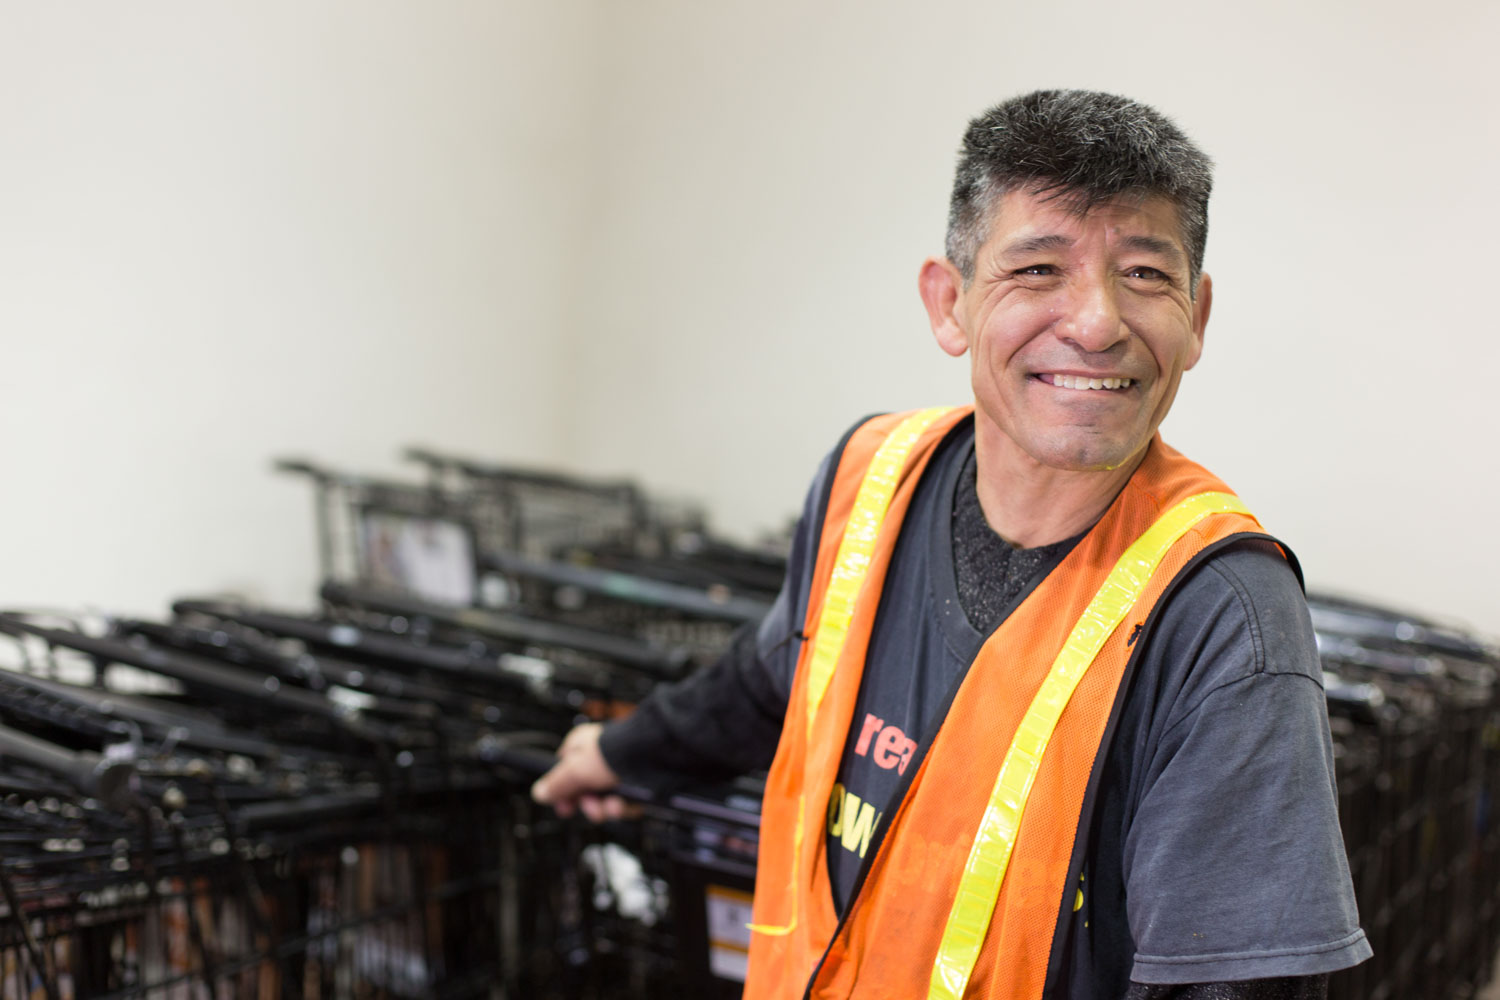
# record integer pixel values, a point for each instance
(428, 556)
(728, 932)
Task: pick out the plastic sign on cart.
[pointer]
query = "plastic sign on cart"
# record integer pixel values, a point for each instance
(428, 557)
(729, 912)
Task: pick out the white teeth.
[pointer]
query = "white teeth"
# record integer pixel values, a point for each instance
(1080, 382)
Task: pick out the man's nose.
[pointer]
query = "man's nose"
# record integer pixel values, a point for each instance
(1094, 322)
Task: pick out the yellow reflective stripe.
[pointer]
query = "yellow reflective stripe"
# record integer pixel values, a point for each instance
(850, 565)
(989, 856)
(856, 549)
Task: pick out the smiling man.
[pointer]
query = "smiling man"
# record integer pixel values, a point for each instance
(1040, 699)
(1081, 318)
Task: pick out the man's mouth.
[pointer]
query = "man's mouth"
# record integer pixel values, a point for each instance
(1084, 382)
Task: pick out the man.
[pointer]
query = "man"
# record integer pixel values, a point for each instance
(1045, 701)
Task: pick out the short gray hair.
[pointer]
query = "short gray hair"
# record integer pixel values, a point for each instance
(1084, 146)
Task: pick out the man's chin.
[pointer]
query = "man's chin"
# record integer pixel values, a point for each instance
(1087, 454)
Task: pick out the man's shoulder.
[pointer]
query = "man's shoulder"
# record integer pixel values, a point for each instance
(1236, 613)
(958, 437)
(1249, 583)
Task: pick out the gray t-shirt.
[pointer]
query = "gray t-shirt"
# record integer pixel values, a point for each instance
(1210, 849)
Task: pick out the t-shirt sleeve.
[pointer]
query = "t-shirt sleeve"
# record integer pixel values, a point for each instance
(720, 722)
(1234, 862)
(726, 719)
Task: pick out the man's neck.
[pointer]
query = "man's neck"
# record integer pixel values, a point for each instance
(1029, 504)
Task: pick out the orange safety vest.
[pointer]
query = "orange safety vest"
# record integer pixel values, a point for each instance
(965, 891)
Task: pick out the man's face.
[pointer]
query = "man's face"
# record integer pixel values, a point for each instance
(1080, 327)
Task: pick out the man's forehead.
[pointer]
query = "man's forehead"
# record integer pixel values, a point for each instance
(1037, 220)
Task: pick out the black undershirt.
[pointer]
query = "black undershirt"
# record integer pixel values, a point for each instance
(990, 572)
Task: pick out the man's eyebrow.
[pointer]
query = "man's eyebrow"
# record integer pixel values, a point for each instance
(1155, 245)
(1037, 244)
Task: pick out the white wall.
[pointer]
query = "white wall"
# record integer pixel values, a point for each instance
(780, 169)
(680, 240)
(233, 231)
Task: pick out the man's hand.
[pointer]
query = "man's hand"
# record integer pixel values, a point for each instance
(579, 776)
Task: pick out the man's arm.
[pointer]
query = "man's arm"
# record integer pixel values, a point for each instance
(722, 721)
(1291, 988)
(1233, 860)
(581, 778)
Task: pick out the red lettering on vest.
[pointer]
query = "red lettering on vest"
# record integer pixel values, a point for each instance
(893, 748)
(872, 726)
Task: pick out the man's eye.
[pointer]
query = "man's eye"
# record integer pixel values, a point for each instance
(1036, 269)
(1149, 273)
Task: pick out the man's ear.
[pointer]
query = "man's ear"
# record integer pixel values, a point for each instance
(1202, 303)
(940, 285)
